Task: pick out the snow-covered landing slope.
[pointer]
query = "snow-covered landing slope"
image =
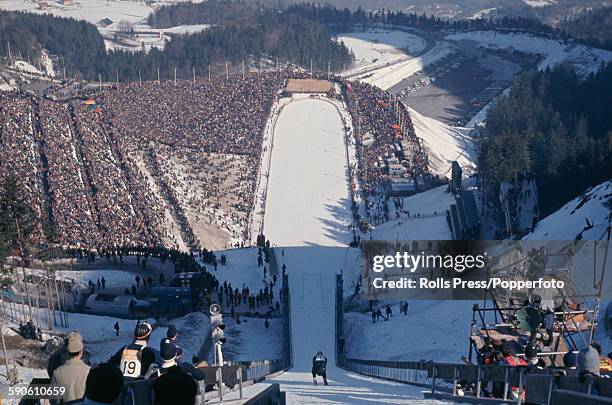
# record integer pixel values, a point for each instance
(445, 144)
(584, 59)
(307, 201)
(570, 221)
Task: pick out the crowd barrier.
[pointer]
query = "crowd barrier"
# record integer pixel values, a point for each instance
(467, 382)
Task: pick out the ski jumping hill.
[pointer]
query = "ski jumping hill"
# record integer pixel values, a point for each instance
(445, 144)
(585, 217)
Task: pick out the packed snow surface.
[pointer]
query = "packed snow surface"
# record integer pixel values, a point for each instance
(378, 47)
(307, 201)
(389, 75)
(445, 143)
(586, 216)
(426, 220)
(410, 336)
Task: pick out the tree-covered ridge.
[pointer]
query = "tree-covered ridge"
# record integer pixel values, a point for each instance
(78, 44)
(556, 126)
(80, 47)
(593, 28)
(290, 38)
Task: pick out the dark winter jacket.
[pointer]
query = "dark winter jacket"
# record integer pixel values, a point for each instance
(145, 355)
(175, 387)
(319, 364)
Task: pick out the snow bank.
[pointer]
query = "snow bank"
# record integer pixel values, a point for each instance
(388, 76)
(192, 329)
(583, 58)
(377, 48)
(99, 335)
(26, 67)
(251, 340)
(445, 144)
(570, 221)
(427, 220)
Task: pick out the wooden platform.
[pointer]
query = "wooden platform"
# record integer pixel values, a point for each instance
(309, 86)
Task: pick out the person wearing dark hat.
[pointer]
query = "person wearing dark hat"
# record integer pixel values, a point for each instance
(173, 386)
(135, 359)
(570, 360)
(103, 386)
(61, 355)
(531, 356)
(172, 333)
(167, 352)
(73, 374)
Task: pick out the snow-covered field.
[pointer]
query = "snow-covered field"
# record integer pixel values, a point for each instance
(570, 221)
(583, 58)
(88, 10)
(375, 48)
(440, 336)
(427, 219)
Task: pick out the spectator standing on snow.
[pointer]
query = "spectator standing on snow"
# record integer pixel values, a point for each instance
(116, 327)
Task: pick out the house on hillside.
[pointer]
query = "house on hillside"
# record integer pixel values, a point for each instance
(105, 22)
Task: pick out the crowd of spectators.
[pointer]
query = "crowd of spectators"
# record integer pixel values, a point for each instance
(145, 164)
(139, 164)
(379, 116)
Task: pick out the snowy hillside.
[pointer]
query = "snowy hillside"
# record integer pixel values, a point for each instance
(445, 144)
(427, 218)
(389, 75)
(377, 48)
(449, 319)
(570, 221)
(583, 58)
(88, 10)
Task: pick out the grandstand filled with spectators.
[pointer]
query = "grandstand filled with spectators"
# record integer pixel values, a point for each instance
(147, 164)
